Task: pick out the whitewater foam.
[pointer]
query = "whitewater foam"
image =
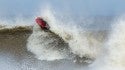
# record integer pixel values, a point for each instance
(47, 45)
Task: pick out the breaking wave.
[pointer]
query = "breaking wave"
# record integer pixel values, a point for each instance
(65, 40)
(70, 40)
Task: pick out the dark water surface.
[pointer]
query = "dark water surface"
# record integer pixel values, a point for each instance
(14, 54)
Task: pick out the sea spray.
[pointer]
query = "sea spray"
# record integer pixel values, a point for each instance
(78, 42)
(113, 55)
(73, 34)
(17, 21)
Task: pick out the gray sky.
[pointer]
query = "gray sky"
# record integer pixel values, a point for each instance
(78, 7)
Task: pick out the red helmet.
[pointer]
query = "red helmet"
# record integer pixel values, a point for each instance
(41, 22)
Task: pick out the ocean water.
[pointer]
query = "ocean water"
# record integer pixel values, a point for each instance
(86, 43)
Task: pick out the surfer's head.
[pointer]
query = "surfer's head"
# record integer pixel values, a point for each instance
(41, 22)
